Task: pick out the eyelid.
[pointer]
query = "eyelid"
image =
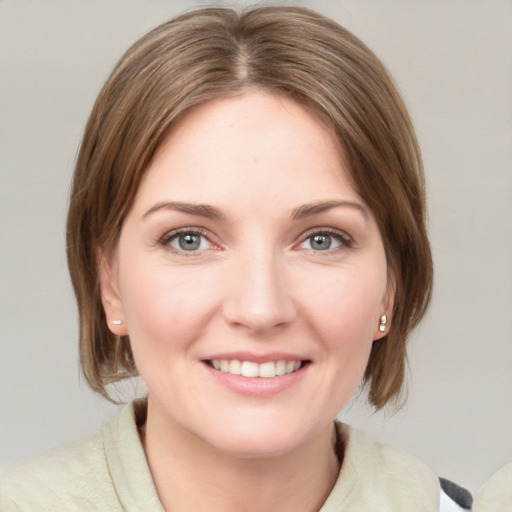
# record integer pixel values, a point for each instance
(345, 239)
(173, 233)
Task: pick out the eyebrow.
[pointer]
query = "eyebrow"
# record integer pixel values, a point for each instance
(309, 209)
(211, 212)
(202, 210)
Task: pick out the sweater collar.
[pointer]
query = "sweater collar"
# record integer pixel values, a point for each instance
(373, 476)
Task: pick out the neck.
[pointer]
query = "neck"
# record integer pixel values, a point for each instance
(190, 474)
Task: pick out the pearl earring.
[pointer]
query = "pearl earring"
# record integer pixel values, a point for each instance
(117, 322)
(382, 323)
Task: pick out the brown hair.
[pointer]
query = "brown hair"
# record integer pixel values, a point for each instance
(217, 52)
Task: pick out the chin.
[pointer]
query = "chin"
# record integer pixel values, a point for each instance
(261, 448)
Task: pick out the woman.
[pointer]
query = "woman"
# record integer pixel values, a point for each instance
(246, 232)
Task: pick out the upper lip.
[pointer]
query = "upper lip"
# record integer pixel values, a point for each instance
(256, 358)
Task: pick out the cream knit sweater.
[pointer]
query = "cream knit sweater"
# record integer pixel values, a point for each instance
(108, 471)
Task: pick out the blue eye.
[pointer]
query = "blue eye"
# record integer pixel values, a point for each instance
(188, 241)
(326, 240)
(321, 242)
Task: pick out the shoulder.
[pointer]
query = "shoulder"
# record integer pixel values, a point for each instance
(384, 464)
(106, 471)
(496, 493)
(75, 477)
(376, 476)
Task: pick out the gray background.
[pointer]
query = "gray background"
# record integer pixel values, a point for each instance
(452, 61)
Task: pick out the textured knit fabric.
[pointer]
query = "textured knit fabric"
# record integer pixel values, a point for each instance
(104, 472)
(496, 494)
(109, 472)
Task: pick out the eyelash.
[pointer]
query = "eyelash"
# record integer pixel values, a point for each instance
(343, 238)
(172, 235)
(345, 241)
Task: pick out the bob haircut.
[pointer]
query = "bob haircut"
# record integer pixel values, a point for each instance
(218, 53)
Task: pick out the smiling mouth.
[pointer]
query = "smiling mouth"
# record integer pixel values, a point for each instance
(265, 370)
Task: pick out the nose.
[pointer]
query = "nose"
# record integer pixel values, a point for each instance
(259, 298)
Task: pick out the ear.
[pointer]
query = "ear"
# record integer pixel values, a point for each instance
(110, 296)
(387, 305)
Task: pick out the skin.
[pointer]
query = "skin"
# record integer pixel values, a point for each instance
(257, 287)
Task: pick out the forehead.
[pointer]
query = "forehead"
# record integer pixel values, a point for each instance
(254, 145)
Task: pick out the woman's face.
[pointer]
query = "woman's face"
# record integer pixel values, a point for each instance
(250, 277)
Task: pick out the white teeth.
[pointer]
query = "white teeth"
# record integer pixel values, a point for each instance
(235, 367)
(280, 367)
(290, 366)
(267, 369)
(251, 369)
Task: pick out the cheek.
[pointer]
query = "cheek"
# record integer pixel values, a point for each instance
(165, 307)
(345, 310)
(344, 318)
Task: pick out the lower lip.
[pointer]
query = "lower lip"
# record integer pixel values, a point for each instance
(258, 386)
